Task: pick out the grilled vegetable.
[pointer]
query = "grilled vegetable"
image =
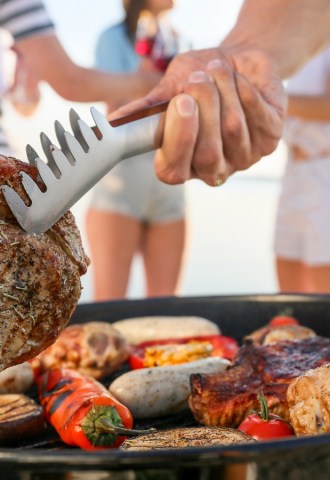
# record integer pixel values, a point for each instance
(264, 425)
(153, 392)
(20, 418)
(181, 350)
(187, 437)
(144, 329)
(82, 411)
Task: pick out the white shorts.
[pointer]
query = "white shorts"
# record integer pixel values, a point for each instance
(302, 230)
(133, 189)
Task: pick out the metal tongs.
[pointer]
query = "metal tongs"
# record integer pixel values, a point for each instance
(83, 159)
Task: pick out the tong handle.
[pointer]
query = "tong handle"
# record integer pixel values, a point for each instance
(131, 117)
(145, 112)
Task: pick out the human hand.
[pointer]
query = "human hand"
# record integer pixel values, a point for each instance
(24, 93)
(226, 112)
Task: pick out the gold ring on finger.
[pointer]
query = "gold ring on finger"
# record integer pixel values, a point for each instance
(219, 182)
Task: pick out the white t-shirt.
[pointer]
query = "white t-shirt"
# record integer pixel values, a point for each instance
(20, 19)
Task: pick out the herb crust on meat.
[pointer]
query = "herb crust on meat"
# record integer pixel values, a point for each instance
(39, 276)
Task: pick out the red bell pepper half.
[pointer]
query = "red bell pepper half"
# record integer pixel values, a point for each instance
(224, 347)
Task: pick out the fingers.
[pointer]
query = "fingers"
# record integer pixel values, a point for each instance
(208, 162)
(173, 160)
(264, 121)
(234, 130)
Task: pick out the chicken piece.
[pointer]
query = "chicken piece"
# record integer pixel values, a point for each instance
(269, 334)
(309, 402)
(40, 276)
(95, 349)
(223, 399)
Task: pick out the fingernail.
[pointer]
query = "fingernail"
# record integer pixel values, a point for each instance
(215, 63)
(198, 76)
(185, 105)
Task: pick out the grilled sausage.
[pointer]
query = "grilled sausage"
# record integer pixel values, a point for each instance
(16, 379)
(158, 391)
(143, 329)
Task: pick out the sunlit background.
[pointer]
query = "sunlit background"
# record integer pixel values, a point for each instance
(230, 230)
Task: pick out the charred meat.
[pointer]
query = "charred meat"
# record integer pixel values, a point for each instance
(40, 276)
(223, 399)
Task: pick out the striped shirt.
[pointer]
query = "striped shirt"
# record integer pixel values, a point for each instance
(25, 18)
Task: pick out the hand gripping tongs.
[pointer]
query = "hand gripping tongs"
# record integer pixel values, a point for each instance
(83, 159)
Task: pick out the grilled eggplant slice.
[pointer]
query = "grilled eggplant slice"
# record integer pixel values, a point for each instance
(187, 437)
(20, 418)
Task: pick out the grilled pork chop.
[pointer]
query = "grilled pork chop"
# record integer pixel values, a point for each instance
(224, 399)
(39, 276)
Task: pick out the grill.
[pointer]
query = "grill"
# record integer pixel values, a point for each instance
(290, 459)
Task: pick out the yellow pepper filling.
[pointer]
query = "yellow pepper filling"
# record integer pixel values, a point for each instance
(173, 354)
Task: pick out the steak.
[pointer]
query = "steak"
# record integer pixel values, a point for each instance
(224, 399)
(39, 275)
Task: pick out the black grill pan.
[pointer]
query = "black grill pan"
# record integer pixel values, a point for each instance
(289, 459)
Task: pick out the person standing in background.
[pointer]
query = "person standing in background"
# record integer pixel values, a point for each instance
(302, 234)
(131, 211)
(41, 57)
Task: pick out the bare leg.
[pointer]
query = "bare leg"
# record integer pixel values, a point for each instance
(113, 239)
(291, 276)
(297, 277)
(319, 278)
(162, 250)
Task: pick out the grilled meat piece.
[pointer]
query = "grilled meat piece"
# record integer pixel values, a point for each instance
(186, 437)
(40, 276)
(269, 334)
(309, 402)
(223, 399)
(95, 349)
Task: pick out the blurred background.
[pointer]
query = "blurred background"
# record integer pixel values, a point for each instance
(230, 229)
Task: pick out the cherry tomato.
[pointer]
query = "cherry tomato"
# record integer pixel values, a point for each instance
(264, 425)
(260, 429)
(283, 320)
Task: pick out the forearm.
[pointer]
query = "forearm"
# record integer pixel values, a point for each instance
(313, 108)
(290, 31)
(46, 57)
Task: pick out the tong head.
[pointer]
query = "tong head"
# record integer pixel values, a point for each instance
(84, 157)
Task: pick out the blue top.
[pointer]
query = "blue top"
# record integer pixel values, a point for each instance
(115, 52)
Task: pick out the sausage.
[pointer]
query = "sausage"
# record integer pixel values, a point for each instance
(143, 329)
(16, 379)
(158, 391)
